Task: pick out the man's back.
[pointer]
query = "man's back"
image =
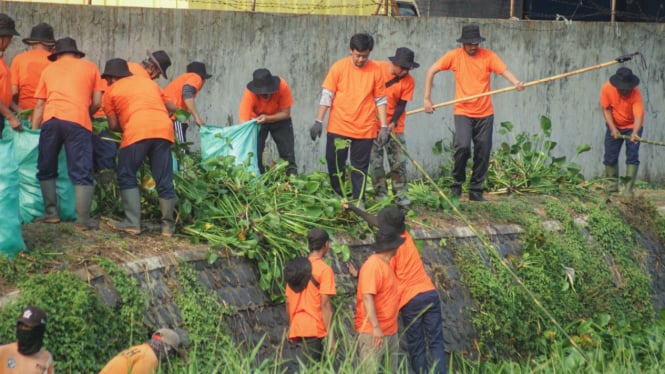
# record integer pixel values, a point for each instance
(139, 359)
(26, 70)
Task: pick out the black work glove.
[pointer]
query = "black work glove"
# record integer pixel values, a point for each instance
(383, 137)
(316, 129)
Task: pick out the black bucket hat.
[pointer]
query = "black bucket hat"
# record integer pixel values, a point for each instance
(116, 68)
(7, 26)
(65, 45)
(161, 60)
(393, 217)
(471, 34)
(198, 68)
(624, 79)
(404, 57)
(263, 82)
(41, 33)
(387, 239)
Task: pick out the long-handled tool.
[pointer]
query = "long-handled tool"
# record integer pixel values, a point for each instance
(642, 140)
(617, 60)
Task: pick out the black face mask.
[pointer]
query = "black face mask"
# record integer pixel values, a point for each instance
(30, 341)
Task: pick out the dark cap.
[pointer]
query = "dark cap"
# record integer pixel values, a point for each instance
(263, 83)
(7, 25)
(161, 60)
(116, 68)
(387, 239)
(624, 79)
(471, 34)
(65, 45)
(32, 316)
(198, 68)
(404, 57)
(392, 217)
(41, 33)
(317, 238)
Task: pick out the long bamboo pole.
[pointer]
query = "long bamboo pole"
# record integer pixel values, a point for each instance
(642, 140)
(532, 83)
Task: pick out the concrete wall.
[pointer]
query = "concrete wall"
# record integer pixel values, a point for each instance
(301, 49)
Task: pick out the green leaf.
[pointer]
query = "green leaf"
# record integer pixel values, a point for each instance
(549, 145)
(583, 148)
(507, 125)
(182, 115)
(546, 126)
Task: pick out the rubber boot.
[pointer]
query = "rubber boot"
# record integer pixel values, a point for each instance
(50, 202)
(631, 176)
(131, 203)
(167, 206)
(612, 174)
(476, 195)
(83, 196)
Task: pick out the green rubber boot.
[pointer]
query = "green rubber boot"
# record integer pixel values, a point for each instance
(83, 195)
(50, 198)
(167, 206)
(631, 176)
(612, 174)
(131, 203)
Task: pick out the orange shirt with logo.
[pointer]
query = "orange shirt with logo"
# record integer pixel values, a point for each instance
(624, 109)
(402, 90)
(174, 89)
(5, 84)
(305, 316)
(253, 105)
(26, 70)
(140, 107)
(67, 85)
(353, 111)
(139, 359)
(410, 272)
(378, 279)
(472, 77)
(12, 362)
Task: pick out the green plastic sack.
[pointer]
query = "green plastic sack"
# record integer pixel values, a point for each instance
(11, 237)
(237, 140)
(31, 203)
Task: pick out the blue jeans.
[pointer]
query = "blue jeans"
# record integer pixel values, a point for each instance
(158, 151)
(613, 147)
(78, 146)
(422, 320)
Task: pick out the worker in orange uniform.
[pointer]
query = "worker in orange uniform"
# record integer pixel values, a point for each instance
(145, 358)
(268, 99)
(27, 355)
(474, 119)
(153, 66)
(136, 106)
(7, 32)
(308, 303)
(377, 305)
(27, 67)
(399, 91)
(68, 93)
(354, 91)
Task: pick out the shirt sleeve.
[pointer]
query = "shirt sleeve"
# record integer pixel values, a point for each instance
(245, 113)
(328, 282)
(285, 96)
(330, 83)
(446, 61)
(107, 104)
(379, 83)
(604, 97)
(497, 65)
(638, 105)
(14, 73)
(408, 88)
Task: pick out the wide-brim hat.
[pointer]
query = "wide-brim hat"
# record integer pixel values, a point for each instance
(161, 60)
(41, 33)
(64, 45)
(404, 57)
(263, 82)
(393, 217)
(198, 68)
(7, 26)
(470, 34)
(387, 239)
(32, 316)
(116, 68)
(624, 79)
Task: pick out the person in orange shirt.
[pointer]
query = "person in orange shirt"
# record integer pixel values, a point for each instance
(68, 93)
(183, 91)
(27, 66)
(145, 358)
(268, 99)
(136, 106)
(474, 119)
(399, 90)
(623, 110)
(27, 355)
(7, 32)
(377, 304)
(308, 303)
(153, 66)
(419, 303)
(354, 91)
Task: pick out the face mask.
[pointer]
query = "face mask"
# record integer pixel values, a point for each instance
(30, 341)
(162, 351)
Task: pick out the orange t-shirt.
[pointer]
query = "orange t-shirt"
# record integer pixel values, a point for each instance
(140, 107)
(138, 70)
(624, 109)
(410, 272)
(5, 84)
(402, 90)
(67, 85)
(139, 359)
(26, 70)
(12, 362)
(100, 112)
(305, 317)
(174, 89)
(353, 111)
(472, 77)
(378, 279)
(253, 105)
